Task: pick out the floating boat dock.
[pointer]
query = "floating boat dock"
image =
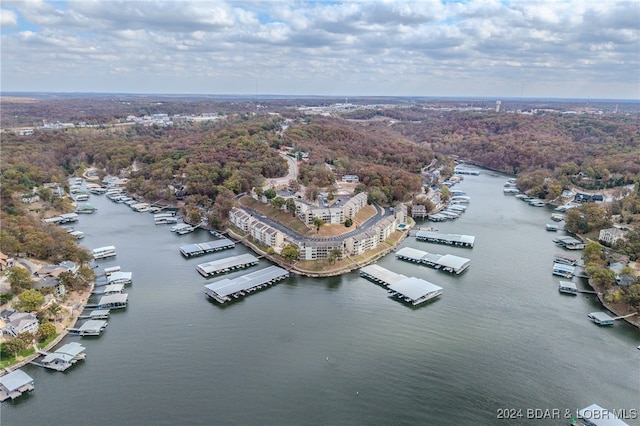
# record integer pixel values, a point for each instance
(182, 228)
(564, 270)
(409, 289)
(451, 239)
(14, 384)
(204, 248)
(227, 289)
(601, 318)
(447, 262)
(569, 243)
(64, 357)
(120, 277)
(90, 328)
(111, 289)
(568, 287)
(103, 252)
(111, 270)
(96, 314)
(112, 301)
(565, 259)
(227, 264)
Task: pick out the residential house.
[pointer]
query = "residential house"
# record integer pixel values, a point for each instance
(610, 235)
(21, 322)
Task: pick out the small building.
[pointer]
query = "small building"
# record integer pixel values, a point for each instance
(350, 178)
(59, 290)
(14, 384)
(611, 235)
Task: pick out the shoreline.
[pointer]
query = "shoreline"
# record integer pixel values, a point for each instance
(71, 322)
(329, 272)
(632, 320)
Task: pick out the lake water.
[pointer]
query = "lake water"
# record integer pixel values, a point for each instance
(339, 350)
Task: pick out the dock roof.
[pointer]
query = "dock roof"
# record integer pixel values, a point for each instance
(15, 380)
(120, 276)
(227, 286)
(600, 317)
(226, 263)
(93, 326)
(414, 288)
(66, 352)
(448, 238)
(447, 261)
(382, 274)
(113, 298)
(206, 247)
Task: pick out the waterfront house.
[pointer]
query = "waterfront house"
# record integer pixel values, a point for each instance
(59, 290)
(21, 322)
(610, 236)
(14, 384)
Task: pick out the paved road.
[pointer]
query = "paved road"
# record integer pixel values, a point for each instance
(284, 181)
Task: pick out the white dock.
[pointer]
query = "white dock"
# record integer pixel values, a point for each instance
(227, 289)
(90, 328)
(226, 264)
(409, 289)
(447, 262)
(451, 239)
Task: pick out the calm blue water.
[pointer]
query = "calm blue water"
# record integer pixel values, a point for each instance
(338, 350)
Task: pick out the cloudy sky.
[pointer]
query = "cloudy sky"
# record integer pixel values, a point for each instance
(530, 48)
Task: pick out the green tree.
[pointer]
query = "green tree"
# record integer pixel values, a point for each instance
(290, 252)
(278, 202)
(318, 223)
(334, 255)
(593, 253)
(19, 279)
(348, 222)
(46, 330)
(270, 193)
(6, 297)
(29, 301)
(11, 347)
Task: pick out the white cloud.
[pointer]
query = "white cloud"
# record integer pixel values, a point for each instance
(366, 46)
(8, 19)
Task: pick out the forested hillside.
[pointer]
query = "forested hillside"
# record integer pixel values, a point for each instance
(588, 150)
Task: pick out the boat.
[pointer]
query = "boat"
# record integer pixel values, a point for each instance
(552, 227)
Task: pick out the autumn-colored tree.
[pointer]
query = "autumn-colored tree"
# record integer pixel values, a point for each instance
(19, 279)
(29, 301)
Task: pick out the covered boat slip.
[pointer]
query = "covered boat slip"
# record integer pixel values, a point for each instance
(567, 287)
(120, 277)
(447, 262)
(564, 270)
(226, 264)
(451, 239)
(14, 384)
(410, 289)
(569, 243)
(103, 252)
(112, 301)
(565, 258)
(110, 289)
(64, 357)
(224, 290)
(90, 328)
(601, 318)
(208, 247)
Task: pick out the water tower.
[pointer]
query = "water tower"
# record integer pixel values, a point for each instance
(498, 103)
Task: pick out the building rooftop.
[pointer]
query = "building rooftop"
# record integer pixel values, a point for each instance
(15, 380)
